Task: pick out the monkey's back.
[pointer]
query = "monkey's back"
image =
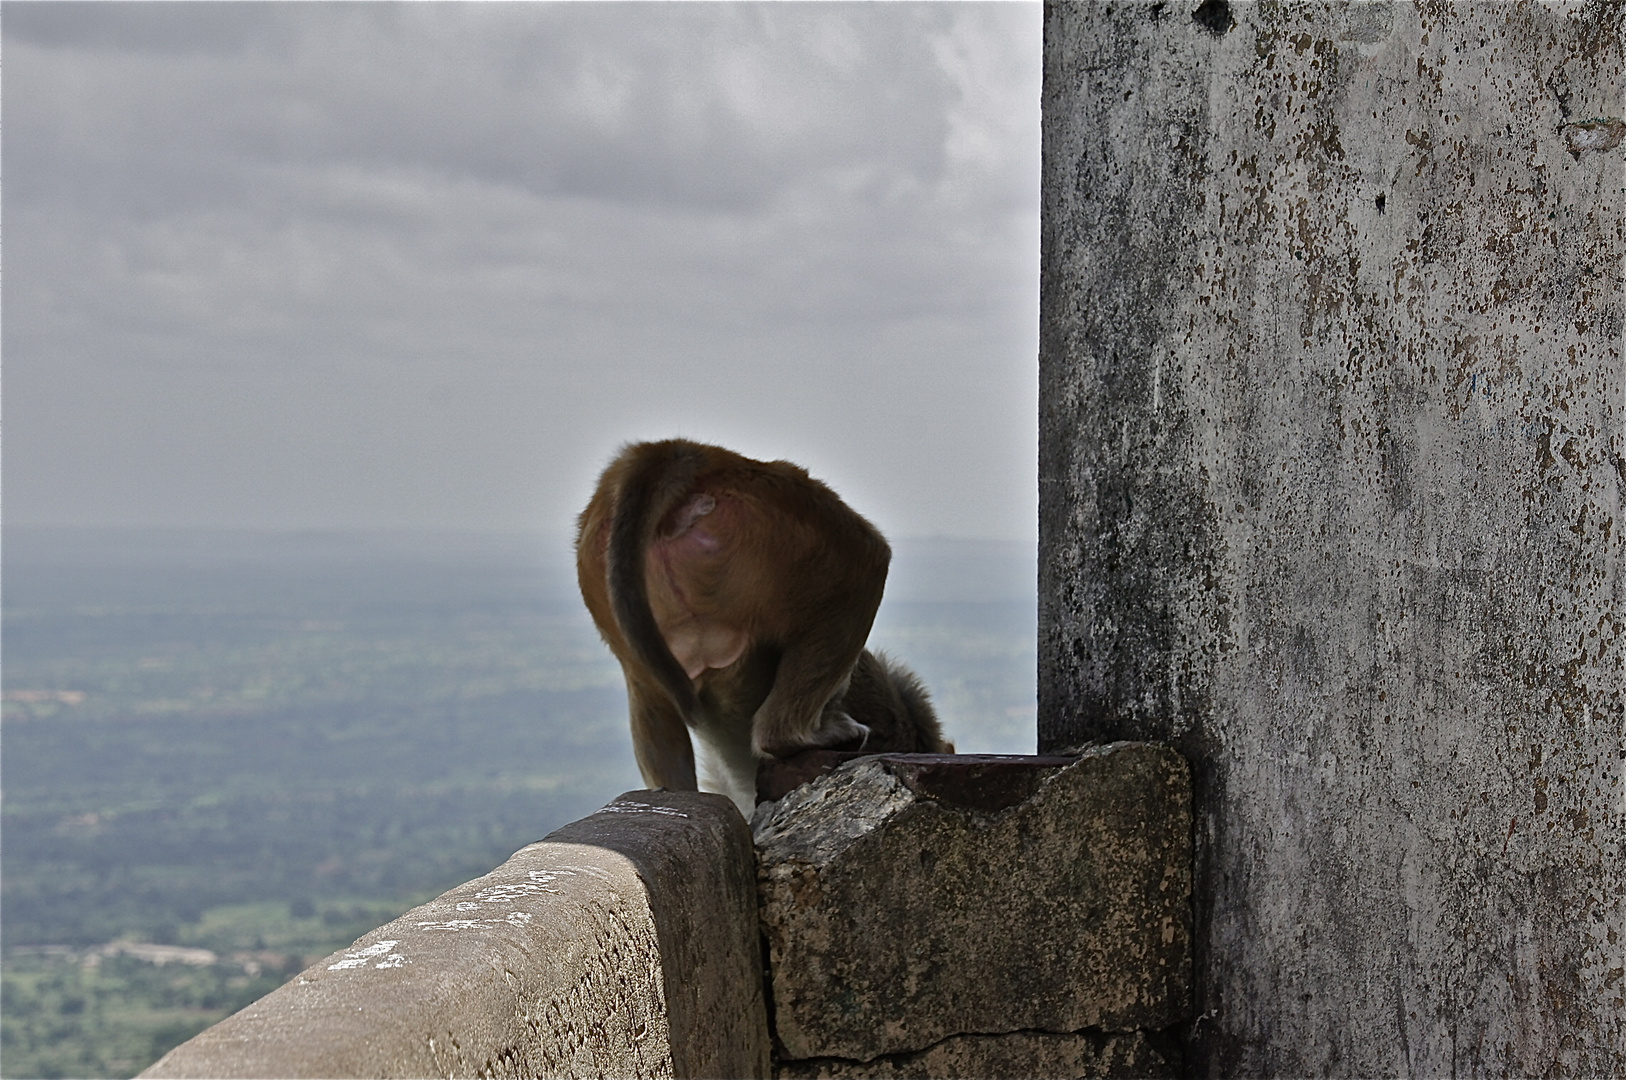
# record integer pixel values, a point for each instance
(771, 545)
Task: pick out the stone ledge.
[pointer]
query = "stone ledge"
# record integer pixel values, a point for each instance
(986, 782)
(1079, 1056)
(912, 899)
(624, 944)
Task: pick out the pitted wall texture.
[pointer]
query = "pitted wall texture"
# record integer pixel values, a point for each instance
(1331, 463)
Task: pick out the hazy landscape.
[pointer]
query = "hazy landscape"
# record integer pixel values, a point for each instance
(227, 754)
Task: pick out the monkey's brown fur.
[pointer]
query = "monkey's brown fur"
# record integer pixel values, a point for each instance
(737, 595)
(891, 701)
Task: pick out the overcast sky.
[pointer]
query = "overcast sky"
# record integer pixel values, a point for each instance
(428, 265)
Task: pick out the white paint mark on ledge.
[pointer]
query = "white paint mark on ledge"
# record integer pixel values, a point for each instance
(359, 958)
(597, 872)
(455, 924)
(640, 808)
(536, 881)
(514, 918)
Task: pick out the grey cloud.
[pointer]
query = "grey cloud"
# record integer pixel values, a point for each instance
(711, 106)
(161, 26)
(397, 263)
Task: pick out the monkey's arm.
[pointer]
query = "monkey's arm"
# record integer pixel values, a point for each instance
(812, 670)
(660, 739)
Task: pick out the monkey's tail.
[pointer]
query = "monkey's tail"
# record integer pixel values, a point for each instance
(661, 475)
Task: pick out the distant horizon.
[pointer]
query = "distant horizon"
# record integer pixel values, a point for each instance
(931, 569)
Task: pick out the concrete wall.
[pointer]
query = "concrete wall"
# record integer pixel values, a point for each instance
(1331, 464)
(625, 944)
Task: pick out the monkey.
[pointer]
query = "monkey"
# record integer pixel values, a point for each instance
(892, 702)
(737, 595)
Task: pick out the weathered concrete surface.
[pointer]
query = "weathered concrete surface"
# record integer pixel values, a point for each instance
(1331, 468)
(1027, 1054)
(902, 907)
(625, 944)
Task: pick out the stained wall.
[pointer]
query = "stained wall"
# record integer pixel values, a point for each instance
(1331, 462)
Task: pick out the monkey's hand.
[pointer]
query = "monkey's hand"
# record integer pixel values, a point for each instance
(836, 730)
(839, 729)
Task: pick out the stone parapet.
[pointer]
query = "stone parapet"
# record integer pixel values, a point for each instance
(1024, 1053)
(979, 916)
(624, 944)
(924, 915)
